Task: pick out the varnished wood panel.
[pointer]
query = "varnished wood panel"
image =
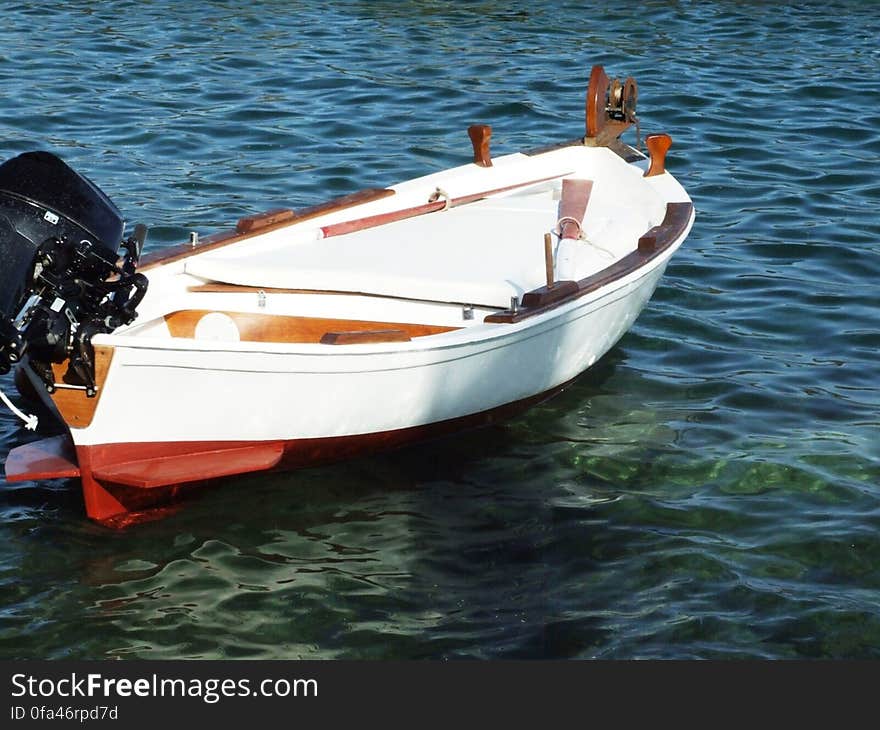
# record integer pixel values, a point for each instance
(279, 328)
(545, 295)
(364, 337)
(75, 407)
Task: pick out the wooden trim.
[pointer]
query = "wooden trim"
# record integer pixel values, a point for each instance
(75, 407)
(281, 328)
(546, 295)
(264, 220)
(651, 244)
(224, 238)
(658, 145)
(364, 337)
(480, 135)
(344, 202)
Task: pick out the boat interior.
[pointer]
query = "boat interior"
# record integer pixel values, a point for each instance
(457, 261)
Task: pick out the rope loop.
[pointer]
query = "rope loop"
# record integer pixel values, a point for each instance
(439, 194)
(568, 219)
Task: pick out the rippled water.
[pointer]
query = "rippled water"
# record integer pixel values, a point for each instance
(710, 489)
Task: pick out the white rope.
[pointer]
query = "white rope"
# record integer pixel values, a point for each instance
(30, 422)
(439, 194)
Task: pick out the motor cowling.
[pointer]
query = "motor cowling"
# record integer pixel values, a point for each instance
(66, 273)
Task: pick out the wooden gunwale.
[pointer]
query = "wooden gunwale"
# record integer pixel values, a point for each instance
(651, 244)
(246, 227)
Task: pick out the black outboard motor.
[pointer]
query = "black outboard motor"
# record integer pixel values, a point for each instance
(62, 279)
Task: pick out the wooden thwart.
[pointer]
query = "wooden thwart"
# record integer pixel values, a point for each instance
(363, 337)
(280, 328)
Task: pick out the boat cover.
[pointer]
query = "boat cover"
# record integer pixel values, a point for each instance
(483, 253)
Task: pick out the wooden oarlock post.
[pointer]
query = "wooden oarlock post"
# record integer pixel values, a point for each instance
(658, 145)
(548, 259)
(480, 135)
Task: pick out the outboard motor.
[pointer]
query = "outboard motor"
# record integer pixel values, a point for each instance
(62, 278)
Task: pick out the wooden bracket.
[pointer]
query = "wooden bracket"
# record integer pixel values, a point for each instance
(480, 135)
(658, 145)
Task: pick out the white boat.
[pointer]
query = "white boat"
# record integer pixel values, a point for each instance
(381, 318)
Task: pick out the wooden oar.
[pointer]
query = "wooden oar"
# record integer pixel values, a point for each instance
(572, 209)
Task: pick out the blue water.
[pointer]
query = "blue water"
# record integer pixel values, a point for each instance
(710, 489)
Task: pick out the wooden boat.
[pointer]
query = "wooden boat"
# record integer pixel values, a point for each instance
(300, 337)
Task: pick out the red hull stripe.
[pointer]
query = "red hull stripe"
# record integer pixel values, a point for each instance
(122, 478)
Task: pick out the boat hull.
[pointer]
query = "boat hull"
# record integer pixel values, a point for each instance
(305, 408)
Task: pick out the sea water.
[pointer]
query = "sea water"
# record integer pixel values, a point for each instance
(711, 488)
